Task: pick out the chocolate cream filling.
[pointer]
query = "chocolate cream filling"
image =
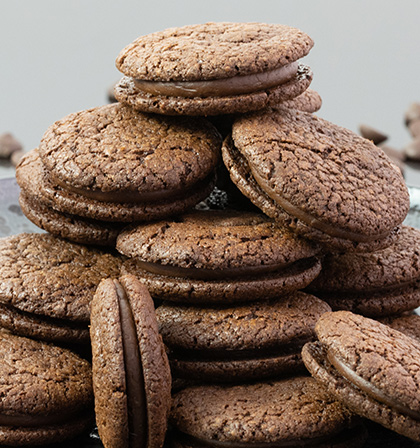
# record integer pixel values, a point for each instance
(236, 85)
(369, 388)
(221, 274)
(310, 220)
(39, 421)
(193, 355)
(136, 394)
(133, 197)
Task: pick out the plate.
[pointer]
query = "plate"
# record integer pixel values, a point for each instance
(12, 221)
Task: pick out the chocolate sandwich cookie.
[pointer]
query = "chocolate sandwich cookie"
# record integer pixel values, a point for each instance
(236, 344)
(131, 377)
(373, 284)
(73, 204)
(295, 412)
(46, 392)
(371, 368)
(36, 209)
(218, 256)
(125, 164)
(324, 181)
(46, 285)
(214, 68)
(308, 101)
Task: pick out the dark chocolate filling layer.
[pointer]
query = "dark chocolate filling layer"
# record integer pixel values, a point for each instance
(192, 355)
(236, 85)
(220, 274)
(338, 438)
(367, 387)
(136, 394)
(133, 197)
(39, 421)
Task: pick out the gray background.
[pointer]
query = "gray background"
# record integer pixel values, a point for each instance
(58, 56)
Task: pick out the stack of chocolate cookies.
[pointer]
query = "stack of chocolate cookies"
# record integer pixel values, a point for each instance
(227, 283)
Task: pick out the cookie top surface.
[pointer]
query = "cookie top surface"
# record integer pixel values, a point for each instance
(297, 408)
(49, 276)
(382, 358)
(322, 174)
(258, 325)
(41, 380)
(114, 150)
(119, 397)
(215, 239)
(407, 324)
(212, 51)
(395, 265)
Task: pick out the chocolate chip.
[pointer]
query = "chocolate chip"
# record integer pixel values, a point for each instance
(412, 113)
(110, 94)
(412, 149)
(8, 145)
(414, 128)
(370, 133)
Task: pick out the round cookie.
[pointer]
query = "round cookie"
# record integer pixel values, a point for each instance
(236, 344)
(375, 284)
(131, 377)
(292, 412)
(213, 68)
(46, 285)
(46, 392)
(67, 202)
(64, 225)
(324, 181)
(370, 367)
(218, 256)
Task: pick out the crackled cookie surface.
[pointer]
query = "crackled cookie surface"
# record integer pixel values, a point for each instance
(223, 68)
(370, 367)
(378, 283)
(323, 180)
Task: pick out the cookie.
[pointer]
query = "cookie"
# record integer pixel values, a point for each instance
(46, 285)
(235, 344)
(213, 68)
(370, 367)
(324, 181)
(131, 377)
(292, 412)
(218, 256)
(46, 392)
(64, 225)
(373, 284)
(70, 203)
(408, 324)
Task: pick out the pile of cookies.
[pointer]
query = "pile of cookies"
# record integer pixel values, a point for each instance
(323, 214)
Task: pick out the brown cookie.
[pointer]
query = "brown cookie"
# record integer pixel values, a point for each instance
(218, 256)
(46, 285)
(408, 324)
(294, 412)
(46, 392)
(370, 367)
(322, 180)
(214, 68)
(131, 376)
(373, 284)
(248, 342)
(70, 203)
(308, 101)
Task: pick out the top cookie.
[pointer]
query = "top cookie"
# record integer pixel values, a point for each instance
(212, 51)
(112, 153)
(213, 68)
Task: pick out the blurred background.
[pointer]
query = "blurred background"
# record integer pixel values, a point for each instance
(57, 56)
